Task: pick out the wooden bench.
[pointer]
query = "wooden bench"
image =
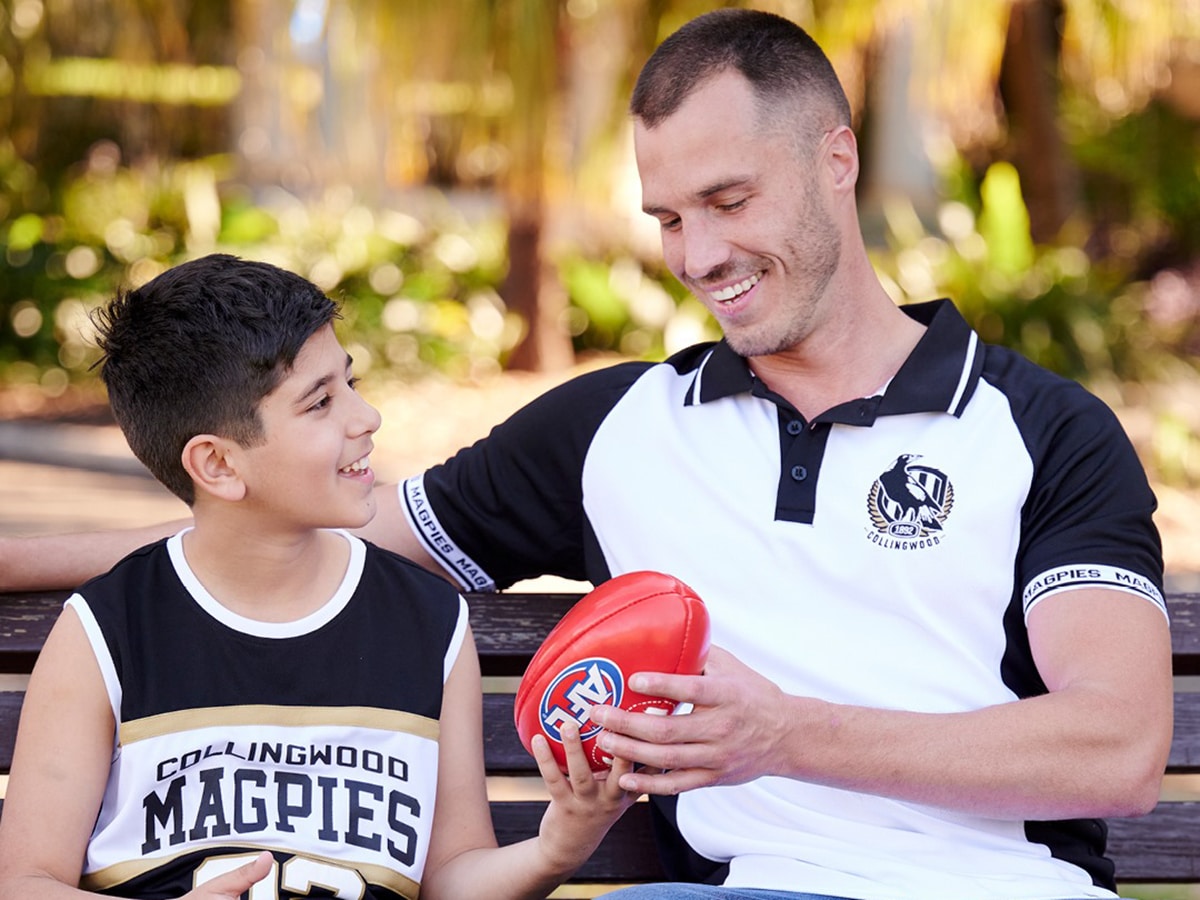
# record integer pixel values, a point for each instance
(1163, 847)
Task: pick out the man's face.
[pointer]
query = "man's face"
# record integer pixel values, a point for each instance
(744, 215)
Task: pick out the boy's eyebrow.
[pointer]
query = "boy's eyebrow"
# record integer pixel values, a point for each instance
(704, 193)
(319, 385)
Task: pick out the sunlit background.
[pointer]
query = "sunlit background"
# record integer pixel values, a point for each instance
(460, 175)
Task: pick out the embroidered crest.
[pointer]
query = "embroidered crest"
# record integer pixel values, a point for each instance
(908, 504)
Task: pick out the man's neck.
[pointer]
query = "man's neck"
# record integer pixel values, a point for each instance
(834, 366)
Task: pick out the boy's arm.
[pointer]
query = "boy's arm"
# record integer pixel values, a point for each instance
(463, 852)
(51, 561)
(59, 770)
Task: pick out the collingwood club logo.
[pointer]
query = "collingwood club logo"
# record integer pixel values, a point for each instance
(908, 505)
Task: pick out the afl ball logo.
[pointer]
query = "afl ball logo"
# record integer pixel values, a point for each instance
(575, 690)
(909, 504)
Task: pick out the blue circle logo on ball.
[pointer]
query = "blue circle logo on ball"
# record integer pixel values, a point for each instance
(575, 690)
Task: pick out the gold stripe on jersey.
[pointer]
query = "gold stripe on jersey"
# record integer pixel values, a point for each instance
(116, 875)
(262, 715)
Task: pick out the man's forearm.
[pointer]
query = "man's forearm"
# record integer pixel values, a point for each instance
(55, 561)
(1038, 758)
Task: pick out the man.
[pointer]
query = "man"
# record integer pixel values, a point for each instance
(935, 586)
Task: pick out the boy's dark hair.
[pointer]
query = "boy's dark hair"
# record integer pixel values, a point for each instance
(780, 60)
(196, 349)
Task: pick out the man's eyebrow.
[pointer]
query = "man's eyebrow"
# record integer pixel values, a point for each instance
(720, 186)
(704, 193)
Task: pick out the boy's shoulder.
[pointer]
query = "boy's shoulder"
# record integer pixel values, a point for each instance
(141, 563)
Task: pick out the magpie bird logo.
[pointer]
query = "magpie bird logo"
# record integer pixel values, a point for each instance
(910, 502)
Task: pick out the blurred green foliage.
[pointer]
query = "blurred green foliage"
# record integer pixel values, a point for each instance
(423, 294)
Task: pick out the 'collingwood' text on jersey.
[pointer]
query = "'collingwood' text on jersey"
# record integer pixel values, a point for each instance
(316, 739)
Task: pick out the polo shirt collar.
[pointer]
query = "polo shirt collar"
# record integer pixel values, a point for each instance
(940, 374)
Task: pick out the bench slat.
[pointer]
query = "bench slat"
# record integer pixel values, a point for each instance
(1161, 846)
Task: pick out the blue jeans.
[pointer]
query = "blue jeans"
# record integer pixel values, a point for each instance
(706, 892)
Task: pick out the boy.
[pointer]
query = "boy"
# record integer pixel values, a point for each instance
(264, 702)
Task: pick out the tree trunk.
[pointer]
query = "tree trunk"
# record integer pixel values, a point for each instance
(1029, 86)
(530, 288)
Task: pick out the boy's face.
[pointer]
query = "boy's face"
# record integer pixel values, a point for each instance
(312, 469)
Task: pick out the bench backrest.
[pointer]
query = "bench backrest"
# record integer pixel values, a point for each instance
(1161, 847)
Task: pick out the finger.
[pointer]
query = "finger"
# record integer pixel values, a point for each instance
(674, 729)
(698, 690)
(579, 771)
(680, 688)
(612, 778)
(676, 781)
(241, 879)
(547, 765)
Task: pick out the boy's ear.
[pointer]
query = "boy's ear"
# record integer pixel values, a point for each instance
(211, 464)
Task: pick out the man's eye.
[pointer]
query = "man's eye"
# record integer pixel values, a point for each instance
(731, 207)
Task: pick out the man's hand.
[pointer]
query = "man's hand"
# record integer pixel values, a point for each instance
(733, 734)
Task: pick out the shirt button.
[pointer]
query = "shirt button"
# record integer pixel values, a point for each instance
(799, 473)
(795, 426)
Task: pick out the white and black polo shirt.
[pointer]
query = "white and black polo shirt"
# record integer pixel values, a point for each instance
(884, 554)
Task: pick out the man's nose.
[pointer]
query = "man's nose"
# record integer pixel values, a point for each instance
(705, 250)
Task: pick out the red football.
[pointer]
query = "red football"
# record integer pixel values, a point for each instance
(636, 622)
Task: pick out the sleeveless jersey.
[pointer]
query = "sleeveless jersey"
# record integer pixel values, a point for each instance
(315, 739)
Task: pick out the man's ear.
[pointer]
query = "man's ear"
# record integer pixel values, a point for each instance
(212, 464)
(842, 153)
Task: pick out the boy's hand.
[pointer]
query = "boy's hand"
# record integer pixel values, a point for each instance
(583, 804)
(232, 885)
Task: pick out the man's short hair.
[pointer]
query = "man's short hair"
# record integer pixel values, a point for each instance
(196, 349)
(783, 64)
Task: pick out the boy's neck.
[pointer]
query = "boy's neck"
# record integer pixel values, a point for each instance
(263, 576)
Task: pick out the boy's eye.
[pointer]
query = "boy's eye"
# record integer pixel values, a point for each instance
(321, 403)
(352, 382)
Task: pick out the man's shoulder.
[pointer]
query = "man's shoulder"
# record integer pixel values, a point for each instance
(1029, 385)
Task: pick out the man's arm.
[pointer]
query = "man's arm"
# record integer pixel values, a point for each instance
(1095, 745)
(389, 529)
(53, 561)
